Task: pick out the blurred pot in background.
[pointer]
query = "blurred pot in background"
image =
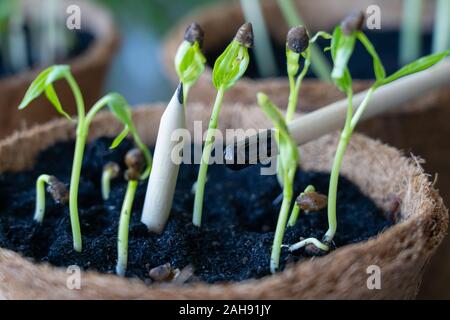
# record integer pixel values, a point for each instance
(34, 35)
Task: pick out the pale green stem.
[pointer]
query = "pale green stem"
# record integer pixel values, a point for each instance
(281, 227)
(106, 184)
(441, 37)
(410, 36)
(122, 239)
(305, 242)
(334, 178)
(265, 58)
(207, 148)
(362, 107)
(294, 215)
(76, 165)
(294, 87)
(319, 63)
(40, 197)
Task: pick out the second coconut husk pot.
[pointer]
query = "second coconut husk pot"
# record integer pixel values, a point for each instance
(417, 126)
(89, 69)
(401, 252)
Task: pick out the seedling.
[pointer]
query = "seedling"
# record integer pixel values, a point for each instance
(288, 157)
(136, 162)
(189, 59)
(118, 106)
(298, 44)
(308, 200)
(320, 65)
(57, 190)
(342, 46)
(111, 171)
(228, 68)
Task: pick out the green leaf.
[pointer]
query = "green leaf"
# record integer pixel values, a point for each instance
(378, 67)
(287, 146)
(189, 62)
(118, 140)
(44, 83)
(342, 47)
(51, 95)
(121, 110)
(416, 66)
(231, 65)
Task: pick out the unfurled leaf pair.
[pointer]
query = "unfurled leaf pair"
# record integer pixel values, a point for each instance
(44, 83)
(120, 109)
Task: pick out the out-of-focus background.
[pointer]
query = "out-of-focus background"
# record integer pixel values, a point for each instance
(138, 71)
(128, 47)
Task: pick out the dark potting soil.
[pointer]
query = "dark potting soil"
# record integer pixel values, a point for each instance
(80, 41)
(235, 239)
(385, 42)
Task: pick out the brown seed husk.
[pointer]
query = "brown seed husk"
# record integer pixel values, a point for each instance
(58, 190)
(353, 22)
(194, 33)
(245, 35)
(298, 39)
(162, 273)
(312, 201)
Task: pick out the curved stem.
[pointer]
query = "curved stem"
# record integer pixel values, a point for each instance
(106, 184)
(295, 87)
(74, 183)
(40, 197)
(76, 165)
(334, 178)
(305, 242)
(78, 97)
(122, 239)
(201, 180)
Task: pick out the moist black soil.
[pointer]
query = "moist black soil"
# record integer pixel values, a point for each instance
(78, 44)
(386, 43)
(233, 243)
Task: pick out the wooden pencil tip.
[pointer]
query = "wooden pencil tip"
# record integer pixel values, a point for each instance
(180, 94)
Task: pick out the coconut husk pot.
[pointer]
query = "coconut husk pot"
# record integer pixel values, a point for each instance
(399, 128)
(89, 69)
(402, 251)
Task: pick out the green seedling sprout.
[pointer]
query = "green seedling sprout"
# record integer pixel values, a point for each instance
(342, 46)
(57, 190)
(189, 59)
(441, 37)
(264, 56)
(111, 171)
(117, 105)
(228, 68)
(288, 156)
(319, 65)
(410, 44)
(136, 162)
(298, 45)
